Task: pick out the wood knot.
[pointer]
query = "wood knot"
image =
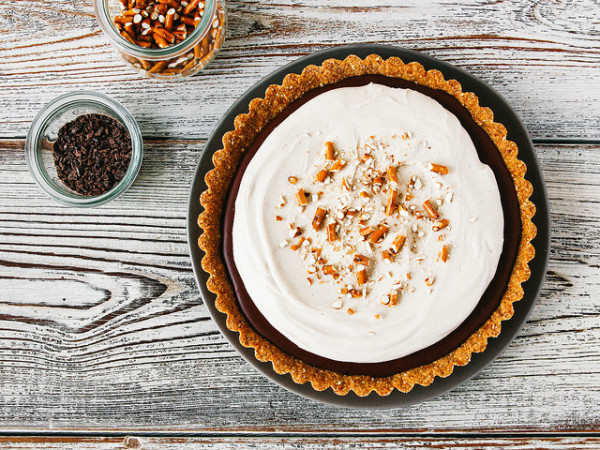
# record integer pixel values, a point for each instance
(132, 442)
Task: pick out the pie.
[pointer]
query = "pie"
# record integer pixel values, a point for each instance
(367, 226)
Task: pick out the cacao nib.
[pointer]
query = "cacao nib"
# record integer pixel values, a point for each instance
(92, 153)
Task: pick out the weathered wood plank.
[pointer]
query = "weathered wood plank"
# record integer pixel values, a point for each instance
(543, 57)
(102, 326)
(291, 443)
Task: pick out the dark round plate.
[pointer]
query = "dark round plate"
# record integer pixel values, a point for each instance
(516, 132)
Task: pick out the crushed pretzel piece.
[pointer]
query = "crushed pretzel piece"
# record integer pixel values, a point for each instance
(337, 166)
(331, 235)
(391, 204)
(438, 168)
(295, 232)
(301, 197)
(398, 242)
(322, 175)
(378, 233)
(444, 253)
(360, 259)
(361, 277)
(329, 270)
(355, 293)
(377, 183)
(440, 225)
(392, 175)
(318, 219)
(387, 256)
(366, 231)
(430, 210)
(329, 151)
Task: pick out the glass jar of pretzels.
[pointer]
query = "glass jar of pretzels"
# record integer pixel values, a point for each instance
(165, 39)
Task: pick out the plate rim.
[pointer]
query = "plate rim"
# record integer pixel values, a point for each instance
(510, 328)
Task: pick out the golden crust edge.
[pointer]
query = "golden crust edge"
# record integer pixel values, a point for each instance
(248, 125)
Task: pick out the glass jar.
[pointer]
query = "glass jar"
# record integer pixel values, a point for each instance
(181, 59)
(43, 133)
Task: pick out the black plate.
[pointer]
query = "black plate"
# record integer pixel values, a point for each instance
(516, 132)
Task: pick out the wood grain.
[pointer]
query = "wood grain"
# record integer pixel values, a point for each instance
(291, 443)
(103, 333)
(103, 328)
(544, 57)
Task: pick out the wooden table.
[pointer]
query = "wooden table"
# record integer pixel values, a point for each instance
(104, 339)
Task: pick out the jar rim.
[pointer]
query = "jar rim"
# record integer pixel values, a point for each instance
(154, 54)
(60, 104)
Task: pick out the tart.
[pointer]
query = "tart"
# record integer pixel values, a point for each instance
(367, 226)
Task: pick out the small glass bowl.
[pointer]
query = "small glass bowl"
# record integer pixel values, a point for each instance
(43, 134)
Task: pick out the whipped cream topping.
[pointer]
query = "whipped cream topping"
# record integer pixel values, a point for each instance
(366, 228)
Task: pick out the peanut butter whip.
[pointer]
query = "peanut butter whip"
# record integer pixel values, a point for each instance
(366, 228)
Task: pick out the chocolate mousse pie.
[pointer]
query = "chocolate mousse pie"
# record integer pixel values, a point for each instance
(367, 226)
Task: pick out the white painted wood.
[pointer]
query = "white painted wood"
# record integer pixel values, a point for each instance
(102, 327)
(293, 443)
(131, 346)
(544, 57)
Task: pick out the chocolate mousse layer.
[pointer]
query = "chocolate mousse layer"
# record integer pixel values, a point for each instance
(488, 154)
